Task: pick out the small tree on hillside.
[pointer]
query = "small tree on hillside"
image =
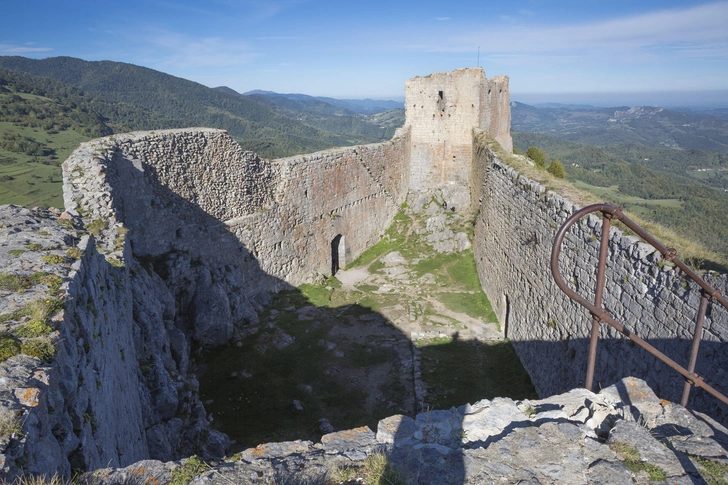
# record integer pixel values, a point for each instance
(557, 169)
(535, 154)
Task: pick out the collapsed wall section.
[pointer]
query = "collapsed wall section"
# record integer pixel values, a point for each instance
(516, 224)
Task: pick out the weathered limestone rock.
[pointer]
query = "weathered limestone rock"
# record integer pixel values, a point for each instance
(499, 441)
(113, 393)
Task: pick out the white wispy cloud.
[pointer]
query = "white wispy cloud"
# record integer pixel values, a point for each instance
(14, 49)
(442, 19)
(676, 30)
(164, 48)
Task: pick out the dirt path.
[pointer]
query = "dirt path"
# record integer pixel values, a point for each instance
(351, 277)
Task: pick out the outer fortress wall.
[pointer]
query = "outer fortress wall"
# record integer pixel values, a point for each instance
(516, 224)
(172, 188)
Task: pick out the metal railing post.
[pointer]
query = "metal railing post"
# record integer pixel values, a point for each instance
(599, 314)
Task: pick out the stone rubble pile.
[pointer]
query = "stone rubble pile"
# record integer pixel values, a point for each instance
(624, 434)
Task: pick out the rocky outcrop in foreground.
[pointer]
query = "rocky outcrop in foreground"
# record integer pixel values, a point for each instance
(624, 434)
(93, 370)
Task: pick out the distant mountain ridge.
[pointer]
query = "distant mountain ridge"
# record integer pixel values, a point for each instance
(364, 106)
(644, 125)
(330, 114)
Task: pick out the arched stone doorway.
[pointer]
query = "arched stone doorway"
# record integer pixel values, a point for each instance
(337, 251)
(337, 254)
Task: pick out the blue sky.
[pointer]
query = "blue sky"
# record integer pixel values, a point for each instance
(353, 48)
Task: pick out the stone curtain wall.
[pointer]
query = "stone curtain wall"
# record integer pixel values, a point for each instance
(516, 224)
(285, 213)
(354, 192)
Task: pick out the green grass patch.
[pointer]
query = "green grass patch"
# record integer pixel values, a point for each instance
(53, 259)
(376, 266)
(184, 474)
(52, 281)
(29, 181)
(96, 226)
(39, 311)
(384, 245)
(9, 347)
(42, 348)
(464, 272)
(32, 329)
(74, 253)
(14, 282)
(435, 263)
(712, 471)
(632, 460)
(474, 305)
(16, 252)
(9, 425)
(433, 341)
(332, 282)
(392, 239)
(613, 195)
(316, 294)
(368, 288)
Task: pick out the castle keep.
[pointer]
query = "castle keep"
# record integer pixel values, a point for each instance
(442, 110)
(188, 235)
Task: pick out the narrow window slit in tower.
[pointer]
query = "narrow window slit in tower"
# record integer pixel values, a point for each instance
(441, 94)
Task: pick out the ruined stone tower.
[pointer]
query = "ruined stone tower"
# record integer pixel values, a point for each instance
(442, 110)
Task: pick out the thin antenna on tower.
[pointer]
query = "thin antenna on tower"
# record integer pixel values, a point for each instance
(478, 56)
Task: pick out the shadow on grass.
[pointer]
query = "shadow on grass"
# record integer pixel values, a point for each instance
(348, 366)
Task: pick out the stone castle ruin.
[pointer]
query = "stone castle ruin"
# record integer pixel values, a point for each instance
(187, 235)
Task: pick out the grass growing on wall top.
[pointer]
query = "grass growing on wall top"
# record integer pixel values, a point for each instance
(690, 252)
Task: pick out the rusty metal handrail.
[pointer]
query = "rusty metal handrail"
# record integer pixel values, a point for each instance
(599, 314)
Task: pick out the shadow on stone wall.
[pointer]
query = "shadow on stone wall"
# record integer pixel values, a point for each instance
(309, 368)
(620, 357)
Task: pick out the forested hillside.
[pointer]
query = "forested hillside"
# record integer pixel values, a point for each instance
(658, 187)
(327, 117)
(185, 103)
(48, 107)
